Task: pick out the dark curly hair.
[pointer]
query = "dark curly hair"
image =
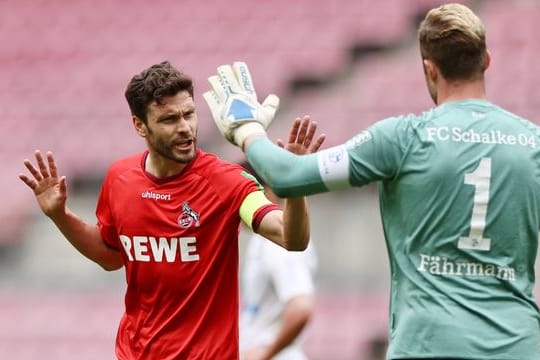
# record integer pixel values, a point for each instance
(153, 84)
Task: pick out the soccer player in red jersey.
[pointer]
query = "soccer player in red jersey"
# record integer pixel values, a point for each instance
(170, 215)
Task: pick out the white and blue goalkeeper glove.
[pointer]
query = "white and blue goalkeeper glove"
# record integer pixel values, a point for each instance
(234, 106)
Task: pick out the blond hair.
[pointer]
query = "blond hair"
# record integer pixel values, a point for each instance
(454, 38)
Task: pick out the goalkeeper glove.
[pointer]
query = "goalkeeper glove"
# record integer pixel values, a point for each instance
(234, 106)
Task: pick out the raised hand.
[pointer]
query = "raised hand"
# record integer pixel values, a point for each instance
(301, 137)
(234, 105)
(49, 189)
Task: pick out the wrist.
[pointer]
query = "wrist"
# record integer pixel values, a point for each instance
(248, 130)
(57, 215)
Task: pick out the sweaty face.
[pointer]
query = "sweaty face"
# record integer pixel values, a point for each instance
(171, 130)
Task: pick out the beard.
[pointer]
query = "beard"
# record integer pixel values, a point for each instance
(168, 150)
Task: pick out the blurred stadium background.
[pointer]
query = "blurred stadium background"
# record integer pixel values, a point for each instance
(64, 67)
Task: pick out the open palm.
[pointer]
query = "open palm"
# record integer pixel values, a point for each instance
(301, 136)
(49, 189)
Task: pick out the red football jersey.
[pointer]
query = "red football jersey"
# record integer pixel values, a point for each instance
(179, 240)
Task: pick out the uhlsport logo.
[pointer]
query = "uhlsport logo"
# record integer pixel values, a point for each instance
(188, 217)
(155, 196)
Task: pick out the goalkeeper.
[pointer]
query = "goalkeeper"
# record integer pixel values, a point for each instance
(461, 217)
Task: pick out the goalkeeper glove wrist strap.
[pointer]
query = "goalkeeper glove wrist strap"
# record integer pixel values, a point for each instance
(242, 132)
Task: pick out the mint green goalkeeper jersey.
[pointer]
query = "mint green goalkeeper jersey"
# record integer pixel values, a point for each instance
(459, 190)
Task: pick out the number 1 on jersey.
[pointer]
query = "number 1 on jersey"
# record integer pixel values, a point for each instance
(480, 179)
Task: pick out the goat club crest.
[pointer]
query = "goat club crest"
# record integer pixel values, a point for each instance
(188, 217)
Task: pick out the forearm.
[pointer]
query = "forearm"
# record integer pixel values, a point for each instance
(86, 238)
(295, 317)
(289, 175)
(296, 224)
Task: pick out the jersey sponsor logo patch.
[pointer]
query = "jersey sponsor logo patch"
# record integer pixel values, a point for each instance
(160, 248)
(188, 217)
(478, 115)
(155, 196)
(443, 266)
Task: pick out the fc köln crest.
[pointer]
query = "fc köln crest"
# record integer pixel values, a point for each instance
(188, 217)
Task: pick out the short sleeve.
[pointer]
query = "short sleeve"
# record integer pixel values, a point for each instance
(105, 218)
(234, 184)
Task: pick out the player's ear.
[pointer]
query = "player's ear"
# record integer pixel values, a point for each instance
(139, 125)
(488, 60)
(431, 70)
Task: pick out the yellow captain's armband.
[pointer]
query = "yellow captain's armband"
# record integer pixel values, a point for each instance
(251, 204)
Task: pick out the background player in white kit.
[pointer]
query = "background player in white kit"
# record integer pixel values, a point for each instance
(277, 298)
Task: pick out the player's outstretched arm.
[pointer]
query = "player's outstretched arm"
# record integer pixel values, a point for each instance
(50, 191)
(242, 120)
(295, 211)
(290, 228)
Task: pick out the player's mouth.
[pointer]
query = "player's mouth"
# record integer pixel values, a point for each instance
(185, 145)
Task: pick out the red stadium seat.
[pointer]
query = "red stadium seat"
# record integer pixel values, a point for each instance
(66, 65)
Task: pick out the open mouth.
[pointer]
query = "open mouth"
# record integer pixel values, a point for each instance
(184, 145)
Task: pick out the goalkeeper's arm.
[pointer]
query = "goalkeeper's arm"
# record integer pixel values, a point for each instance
(291, 175)
(242, 120)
